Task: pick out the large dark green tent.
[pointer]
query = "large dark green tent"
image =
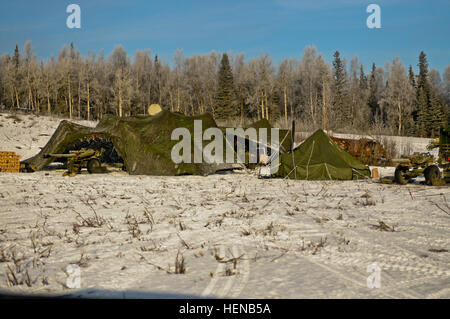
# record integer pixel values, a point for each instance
(143, 143)
(320, 158)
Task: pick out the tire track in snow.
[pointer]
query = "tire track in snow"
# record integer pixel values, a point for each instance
(222, 285)
(242, 276)
(402, 263)
(209, 290)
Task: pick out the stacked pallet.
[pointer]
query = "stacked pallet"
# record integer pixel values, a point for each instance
(9, 162)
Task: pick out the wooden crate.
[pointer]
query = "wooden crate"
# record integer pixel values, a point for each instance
(9, 162)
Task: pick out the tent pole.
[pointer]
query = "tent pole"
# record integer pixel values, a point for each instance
(292, 147)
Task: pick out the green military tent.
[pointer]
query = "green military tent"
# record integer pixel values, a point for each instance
(320, 158)
(143, 143)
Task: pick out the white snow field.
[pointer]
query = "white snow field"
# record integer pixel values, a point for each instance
(235, 236)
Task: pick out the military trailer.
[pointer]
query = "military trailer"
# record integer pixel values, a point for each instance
(444, 152)
(425, 164)
(79, 159)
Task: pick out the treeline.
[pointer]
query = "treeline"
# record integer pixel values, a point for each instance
(340, 96)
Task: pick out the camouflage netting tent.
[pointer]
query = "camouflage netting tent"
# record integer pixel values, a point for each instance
(320, 158)
(143, 143)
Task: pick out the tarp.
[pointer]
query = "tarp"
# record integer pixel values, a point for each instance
(320, 158)
(262, 145)
(143, 142)
(284, 136)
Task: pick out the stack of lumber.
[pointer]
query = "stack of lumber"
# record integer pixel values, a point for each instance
(9, 162)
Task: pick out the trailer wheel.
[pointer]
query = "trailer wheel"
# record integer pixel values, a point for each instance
(432, 175)
(93, 165)
(400, 175)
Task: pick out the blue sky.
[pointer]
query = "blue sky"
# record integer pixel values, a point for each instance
(281, 27)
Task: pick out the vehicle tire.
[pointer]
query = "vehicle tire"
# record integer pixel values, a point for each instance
(400, 175)
(432, 175)
(93, 165)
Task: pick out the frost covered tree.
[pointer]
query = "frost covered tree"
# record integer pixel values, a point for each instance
(398, 97)
(264, 77)
(120, 78)
(285, 79)
(309, 88)
(314, 90)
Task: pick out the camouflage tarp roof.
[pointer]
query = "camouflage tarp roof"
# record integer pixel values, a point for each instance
(143, 142)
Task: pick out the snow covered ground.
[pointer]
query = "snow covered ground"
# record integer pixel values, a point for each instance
(26, 134)
(239, 236)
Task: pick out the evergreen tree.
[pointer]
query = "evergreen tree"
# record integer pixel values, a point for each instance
(157, 90)
(341, 105)
(423, 72)
(422, 118)
(435, 115)
(415, 112)
(225, 98)
(275, 101)
(412, 77)
(373, 99)
(16, 77)
(363, 84)
(16, 57)
(431, 114)
(72, 51)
